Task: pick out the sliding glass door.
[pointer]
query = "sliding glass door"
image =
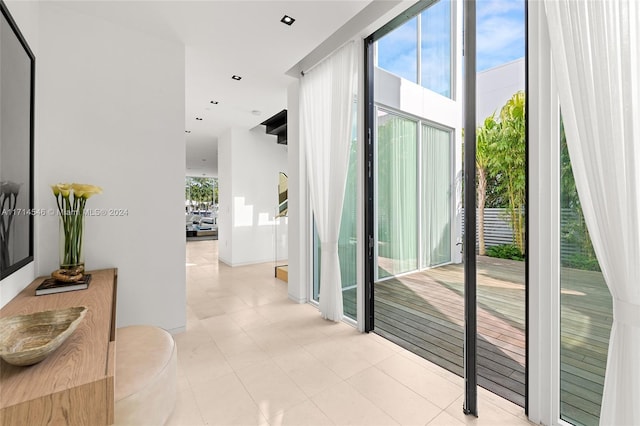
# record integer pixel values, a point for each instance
(413, 195)
(467, 317)
(397, 194)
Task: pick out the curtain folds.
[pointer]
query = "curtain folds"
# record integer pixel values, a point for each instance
(326, 102)
(397, 195)
(436, 200)
(596, 54)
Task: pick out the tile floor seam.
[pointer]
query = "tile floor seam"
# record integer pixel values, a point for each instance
(411, 355)
(257, 402)
(413, 392)
(455, 402)
(210, 282)
(322, 411)
(379, 407)
(346, 382)
(502, 411)
(193, 398)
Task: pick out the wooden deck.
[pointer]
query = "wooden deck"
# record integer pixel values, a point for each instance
(423, 312)
(586, 315)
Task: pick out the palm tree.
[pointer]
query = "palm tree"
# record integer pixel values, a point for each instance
(508, 159)
(486, 137)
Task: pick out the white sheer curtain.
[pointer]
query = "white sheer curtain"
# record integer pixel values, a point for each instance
(436, 200)
(596, 52)
(397, 194)
(326, 103)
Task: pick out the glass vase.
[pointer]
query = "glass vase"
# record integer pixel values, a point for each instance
(71, 245)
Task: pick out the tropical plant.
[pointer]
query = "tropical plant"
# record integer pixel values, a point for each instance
(573, 229)
(201, 192)
(507, 161)
(505, 251)
(485, 138)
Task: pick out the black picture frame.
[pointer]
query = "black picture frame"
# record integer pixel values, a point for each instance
(17, 96)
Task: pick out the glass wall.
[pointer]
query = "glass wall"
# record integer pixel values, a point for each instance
(397, 194)
(201, 196)
(435, 48)
(413, 195)
(430, 64)
(398, 51)
(436, 196)
(585, 310)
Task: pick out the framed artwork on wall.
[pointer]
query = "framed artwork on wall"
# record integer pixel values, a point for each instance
(17, 84)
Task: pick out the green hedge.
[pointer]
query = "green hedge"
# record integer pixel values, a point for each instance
(505, 251)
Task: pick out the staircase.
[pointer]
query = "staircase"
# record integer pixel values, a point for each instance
(277, 125)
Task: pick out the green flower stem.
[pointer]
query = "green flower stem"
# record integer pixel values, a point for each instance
(71, 200)
(72, 214)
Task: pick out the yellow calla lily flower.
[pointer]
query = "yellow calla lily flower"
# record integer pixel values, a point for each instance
(61, 188)
(71, 207)
(85, 191)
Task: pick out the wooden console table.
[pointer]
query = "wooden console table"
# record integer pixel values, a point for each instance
(75, 384)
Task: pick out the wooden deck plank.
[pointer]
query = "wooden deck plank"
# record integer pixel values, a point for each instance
(446, 306)
(424, 309)
(451, 365)
(418, 316)
(428, 323)
(429, 337)
(575, 415)
(588, 391)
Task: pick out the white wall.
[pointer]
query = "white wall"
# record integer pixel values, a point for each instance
(26, 16)
(299, 223)
(403, 95)
(225, 197)
(111, 113)
(496, 86)
(249, 162)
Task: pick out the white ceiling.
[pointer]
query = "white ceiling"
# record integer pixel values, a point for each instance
(223, 38)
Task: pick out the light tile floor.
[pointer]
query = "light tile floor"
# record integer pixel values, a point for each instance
(250, 356)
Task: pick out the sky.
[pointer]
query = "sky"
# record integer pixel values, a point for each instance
(499, 32)
(499, 39)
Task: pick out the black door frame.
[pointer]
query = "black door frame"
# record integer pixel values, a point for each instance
(469, 172)
(469, 53)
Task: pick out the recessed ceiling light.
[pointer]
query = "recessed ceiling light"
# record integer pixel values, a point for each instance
(236, 77)
(286, 19)
(215, 102)
(199, 118)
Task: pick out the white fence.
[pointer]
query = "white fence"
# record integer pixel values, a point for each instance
(497, 230)
(497, 227)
